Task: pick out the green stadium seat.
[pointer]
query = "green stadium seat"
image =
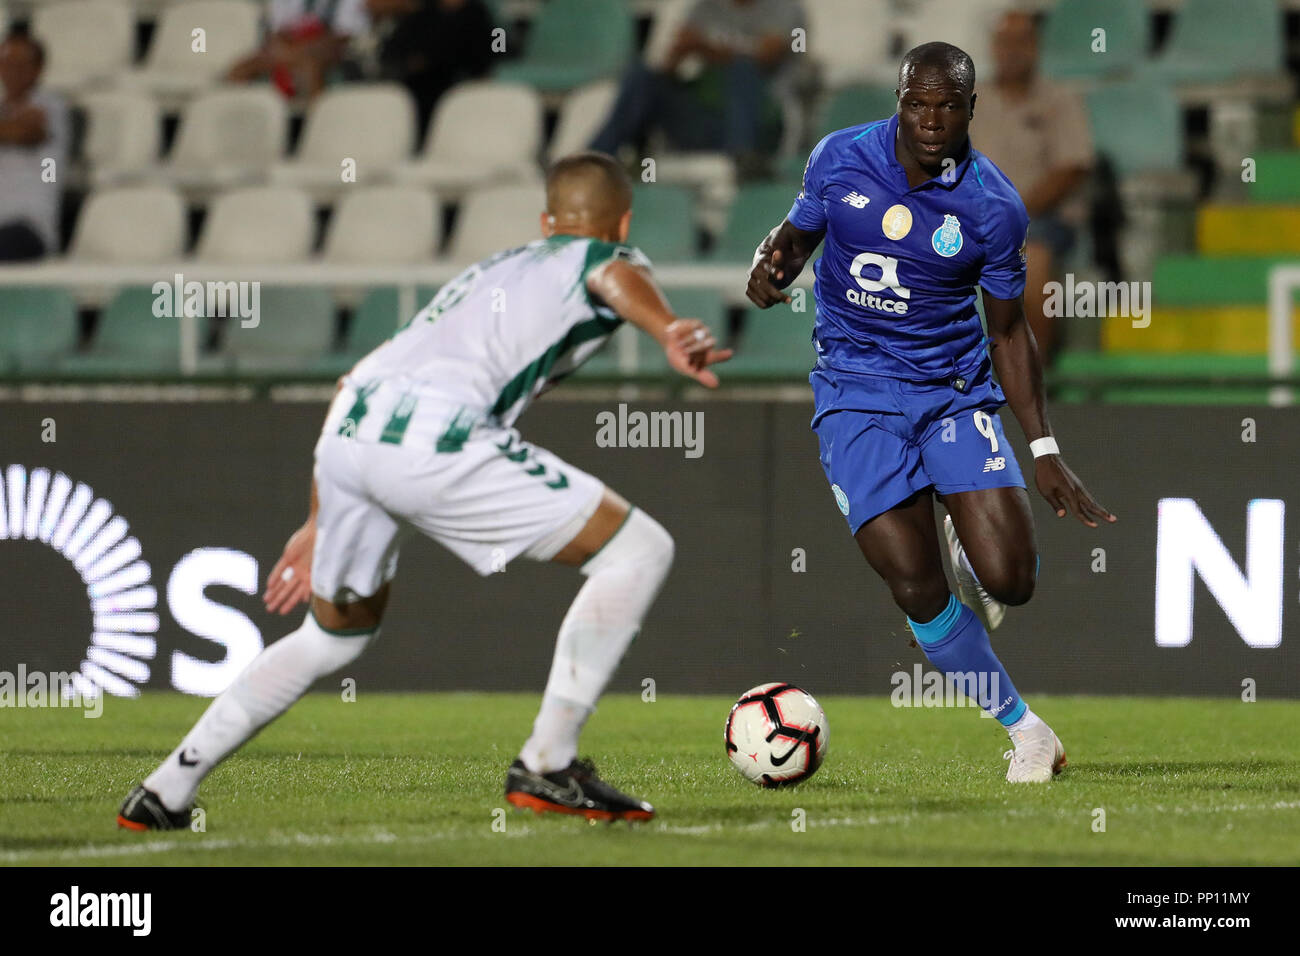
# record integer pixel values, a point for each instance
(130, 340)
(295, 334)
(855, 105)
(773, 343)
(1153, 367)
(573, 42)
(757, 208)
(1139, 125)
(1067, 38)
(1213, 280)
(1214, 41)
(38, 327)
(663, 222)
(1277, 177)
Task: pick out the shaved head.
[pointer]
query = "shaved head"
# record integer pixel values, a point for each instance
(587, 193)
(952, 62)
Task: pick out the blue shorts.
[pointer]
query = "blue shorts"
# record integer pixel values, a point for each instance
(884, 439)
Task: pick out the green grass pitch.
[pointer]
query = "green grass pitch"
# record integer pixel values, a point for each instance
(417, 778)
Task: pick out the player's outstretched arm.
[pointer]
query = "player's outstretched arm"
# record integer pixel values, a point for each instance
(629, 290)
(778, 260)
(1015, 356)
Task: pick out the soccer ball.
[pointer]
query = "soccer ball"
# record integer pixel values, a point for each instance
(776, 735)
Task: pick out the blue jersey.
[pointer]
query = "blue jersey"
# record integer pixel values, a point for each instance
(895, 281)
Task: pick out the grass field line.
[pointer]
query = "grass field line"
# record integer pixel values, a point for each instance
(516, 831)
(300, 839)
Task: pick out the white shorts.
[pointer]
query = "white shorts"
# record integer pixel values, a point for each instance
(494, 499)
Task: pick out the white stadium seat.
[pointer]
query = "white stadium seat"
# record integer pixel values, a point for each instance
(968, 25)
(85, 41)
(258, 225)
(383, 225)
(482, 132)
(850, 40)
(371, 124)
(123, 136)
(495, 218)
(582, 114)
(228, 136)
(173, 70)
(130, 224)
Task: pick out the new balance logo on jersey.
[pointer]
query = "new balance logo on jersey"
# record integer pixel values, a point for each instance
(856, 200)
(995, 464)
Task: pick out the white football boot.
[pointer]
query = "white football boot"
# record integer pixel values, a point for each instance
(989, 611)
(1036, 755)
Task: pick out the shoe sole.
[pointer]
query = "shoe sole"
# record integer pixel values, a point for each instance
(126, 824)
(526, 801)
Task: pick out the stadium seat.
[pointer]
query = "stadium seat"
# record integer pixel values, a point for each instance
(295, 333)
(968, 25)
(482, 132)
(1250, 230)
(123, 136)
(1067, 39)
(773, 342)
(130, 224)
(203, 161)
(258, 225)
(1277, 177)
(667, 19)
(756, 210)
(86, 41)
(172, 70)
(1212, 42)
(581, 116)
(129, 340)
(39, 327)
(573, 42)
(850, 41)
(853, 106)
(663, 224)
(1139, 125)
(384, 225)
(497, 217)
(371, 124)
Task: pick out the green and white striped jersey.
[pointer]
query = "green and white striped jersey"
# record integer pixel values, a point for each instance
(500, 333)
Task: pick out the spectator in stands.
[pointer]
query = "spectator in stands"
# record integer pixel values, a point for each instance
(33, 132)
(431, 45)
(744, 47)
(307, 38)
(1038, 134)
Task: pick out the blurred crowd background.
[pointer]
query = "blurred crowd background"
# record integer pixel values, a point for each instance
(1152, 141)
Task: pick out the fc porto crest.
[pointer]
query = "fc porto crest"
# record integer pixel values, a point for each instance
(947, 238)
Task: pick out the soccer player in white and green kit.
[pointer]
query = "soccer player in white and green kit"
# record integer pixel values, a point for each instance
(421, 437)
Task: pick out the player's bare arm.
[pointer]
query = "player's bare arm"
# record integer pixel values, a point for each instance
(778, 260)
(1015, 356)
(689, 344)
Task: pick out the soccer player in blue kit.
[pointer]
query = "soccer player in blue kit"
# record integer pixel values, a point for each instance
(913, 217)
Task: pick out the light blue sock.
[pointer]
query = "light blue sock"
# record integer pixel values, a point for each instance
(956, 643)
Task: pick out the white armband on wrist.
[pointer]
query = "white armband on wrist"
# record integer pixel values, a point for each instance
(1044, 446)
